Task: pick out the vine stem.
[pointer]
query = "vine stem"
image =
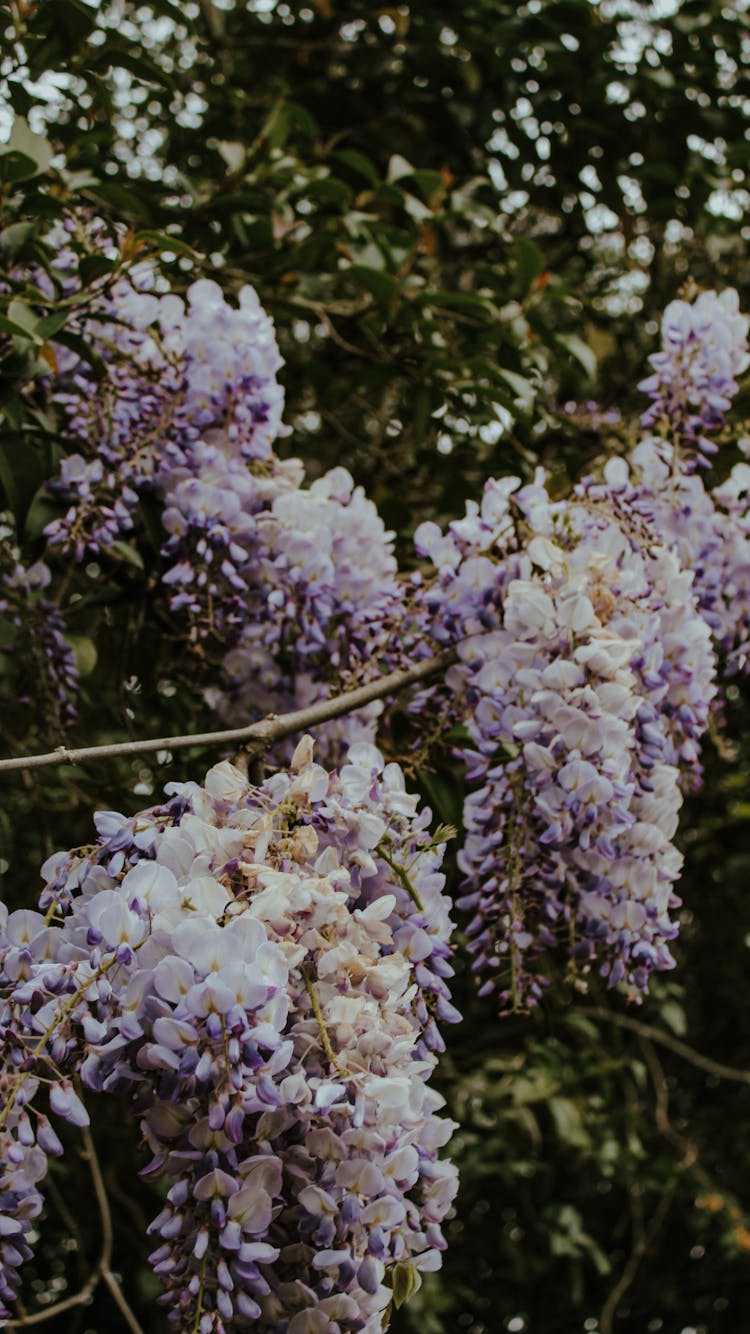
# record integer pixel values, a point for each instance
(103, 1271)
(402, 875)
(256, 736)
(324, 1037)
(651, 1034)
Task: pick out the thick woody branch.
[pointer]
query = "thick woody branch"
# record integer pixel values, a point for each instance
(256, 736)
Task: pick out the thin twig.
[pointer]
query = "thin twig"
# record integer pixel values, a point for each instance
(102, 1272)
(690, 1156)
(688, 1150)
(643, 1237)
(682, 1049)
(643, 1240)
(214, 21)
(269, 730)
(105, 1259)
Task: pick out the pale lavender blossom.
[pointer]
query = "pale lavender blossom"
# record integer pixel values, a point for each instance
(259, 974)
(704, 349)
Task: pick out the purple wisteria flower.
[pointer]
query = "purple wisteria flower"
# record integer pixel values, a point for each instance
(586, 676)
(708, 530)
(259, 973)
(297, 586)
(325, 605)
(180, 374)
(704, 349)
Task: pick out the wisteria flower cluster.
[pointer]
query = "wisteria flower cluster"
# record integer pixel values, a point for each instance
(709, 531)
(300, 587)
(332, 603)
(258, 973)
(588, 674)
(586, 633)
(297, 586)
(181, 374)
(704, 349)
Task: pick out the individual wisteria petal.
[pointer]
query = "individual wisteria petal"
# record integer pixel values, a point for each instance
(267, 1005)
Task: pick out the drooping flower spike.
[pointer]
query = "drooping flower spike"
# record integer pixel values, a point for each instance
(259, 974)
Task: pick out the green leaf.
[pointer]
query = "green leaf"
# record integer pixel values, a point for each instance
(581, 351)
(389, 194)
(25, 144)
(16, 166)
(522, 388)
(42, 510)
(129, 554)
(537, 1087)
(14, 237)
(528, 260)
(92, 267)
(234, 153)
(278, 125)
(674, 1017)
(329, 191)
(24, 318)
(21, 474)
(470, 303)
(416, 209)
(445, 795)
(51, 324)
(76, 18)
(124, 200)
(405, 1280)
(359, 163)
(163, 241)
(398, 167)
(569, 1123)
(383, 286)
(10, 327)
(430, 182)
(85, 651)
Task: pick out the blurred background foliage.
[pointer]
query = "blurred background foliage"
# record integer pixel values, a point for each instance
(465, 219)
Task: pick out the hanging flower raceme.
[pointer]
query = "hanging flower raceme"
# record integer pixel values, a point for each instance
(298, 587)
(181, 376)
(328, 607)
(587, 676)
(257, 971)
(707, 530)
(43, 662)
(704, 349)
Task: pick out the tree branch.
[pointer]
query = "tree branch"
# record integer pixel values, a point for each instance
(682, 1049)
(102, 1271)
(257, 736)
(643, 1237)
